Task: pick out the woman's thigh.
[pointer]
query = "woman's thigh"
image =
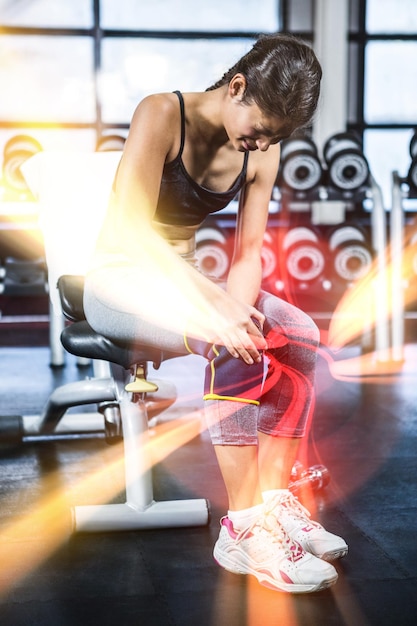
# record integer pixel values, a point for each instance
(120, 303)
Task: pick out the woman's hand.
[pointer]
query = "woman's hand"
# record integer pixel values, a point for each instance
(238, 327)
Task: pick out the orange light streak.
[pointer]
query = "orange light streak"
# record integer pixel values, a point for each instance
(35, 534)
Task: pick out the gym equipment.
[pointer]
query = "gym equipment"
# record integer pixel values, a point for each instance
(350, 253)
(348, 169)
(24, 277)
(122, 401)
(412, 172)
(215, 245)
(269, 257)
(110, 143)
(119, 386)
(317, 477)
(16, 151)
(300, 167)
(22, 142)
(213, 251)
(402, 188)
(410, 273)
(305, 257)
(320, 194)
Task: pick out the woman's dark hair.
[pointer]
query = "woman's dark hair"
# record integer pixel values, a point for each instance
(282, 77)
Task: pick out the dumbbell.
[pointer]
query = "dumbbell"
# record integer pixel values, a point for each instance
(305, 258)
(300, 167)
(347, 166)
(269, 256)
(412, 172)
(212, 252)
(109, 143)
(350, 253)
(16, 151)
(316, 477)
(25, 277)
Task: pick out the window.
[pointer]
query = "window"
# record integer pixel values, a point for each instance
(49, 79)
(391, 16)
(133, 68)
(383, 84)
(187, 15)
(47, 13)
(75, 70)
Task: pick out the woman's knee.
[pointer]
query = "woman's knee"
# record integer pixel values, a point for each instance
(311, 332)
(288, 320)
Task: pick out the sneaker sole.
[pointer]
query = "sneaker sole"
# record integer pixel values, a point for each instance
(332, 555)
(268, 581)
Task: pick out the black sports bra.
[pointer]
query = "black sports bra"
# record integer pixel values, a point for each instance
(182, 201)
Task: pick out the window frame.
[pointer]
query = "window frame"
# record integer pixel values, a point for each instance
(98, 34)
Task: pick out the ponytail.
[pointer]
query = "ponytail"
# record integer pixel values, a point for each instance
(282, 77)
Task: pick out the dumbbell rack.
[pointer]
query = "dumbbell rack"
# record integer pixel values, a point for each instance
(290, 208)
(400, 256)
(401, 190)
(15, 218)
(23, 271)
(329, 198)
(331, 188)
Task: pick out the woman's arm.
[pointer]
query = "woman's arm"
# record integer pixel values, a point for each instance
(245, 274)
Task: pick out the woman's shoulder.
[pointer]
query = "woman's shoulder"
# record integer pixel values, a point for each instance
(156, 117)
(159, 104)
(263, 162)
(156, 126)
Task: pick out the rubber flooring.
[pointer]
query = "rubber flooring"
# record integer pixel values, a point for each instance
(364, 432)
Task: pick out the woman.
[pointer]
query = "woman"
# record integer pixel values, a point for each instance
(188, 155)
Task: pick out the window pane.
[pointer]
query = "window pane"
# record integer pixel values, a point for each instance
(300, 15)
(387, 151)
(49, 13)
(47, 78)
(391, 82)
(391, 16)
(134, 68)
(182, 15)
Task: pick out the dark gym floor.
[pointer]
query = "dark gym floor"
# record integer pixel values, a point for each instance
(364, 432)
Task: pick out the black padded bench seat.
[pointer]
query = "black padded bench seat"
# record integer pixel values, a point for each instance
(82, 341)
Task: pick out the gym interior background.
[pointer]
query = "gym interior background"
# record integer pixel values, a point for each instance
(75, 72)
(341, 240)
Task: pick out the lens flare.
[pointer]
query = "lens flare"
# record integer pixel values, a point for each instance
(36, 533)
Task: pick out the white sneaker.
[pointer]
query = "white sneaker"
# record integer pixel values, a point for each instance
(266, 551)
(315, 539)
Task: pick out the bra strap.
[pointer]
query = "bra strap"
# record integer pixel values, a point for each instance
(182, 109)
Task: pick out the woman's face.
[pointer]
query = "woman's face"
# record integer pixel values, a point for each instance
(248, 127)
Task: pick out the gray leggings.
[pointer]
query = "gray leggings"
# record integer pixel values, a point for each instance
(285, 395)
